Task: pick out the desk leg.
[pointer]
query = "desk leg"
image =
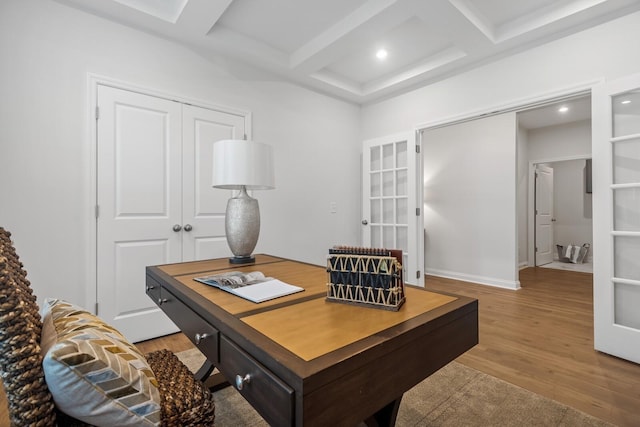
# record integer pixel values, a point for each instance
(205, 370)
(214, 382)
(385, 416)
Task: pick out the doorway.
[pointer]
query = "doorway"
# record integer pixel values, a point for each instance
(558, 136)
(570, 218)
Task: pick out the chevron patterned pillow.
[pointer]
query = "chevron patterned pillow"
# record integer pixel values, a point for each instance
(93, 372)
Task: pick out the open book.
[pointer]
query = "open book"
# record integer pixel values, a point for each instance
(253, 286)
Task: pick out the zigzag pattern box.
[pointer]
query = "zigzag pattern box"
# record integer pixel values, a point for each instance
(365, 276)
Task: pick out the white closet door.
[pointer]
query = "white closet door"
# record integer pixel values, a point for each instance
(616, 217)
(139, 201)
(391, 201)
(203, 206)
(544, 215)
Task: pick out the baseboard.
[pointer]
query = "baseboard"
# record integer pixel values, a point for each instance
(481, 280)
(523, 265)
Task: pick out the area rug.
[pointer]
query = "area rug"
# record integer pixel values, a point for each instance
(456, 395)
(581, 268)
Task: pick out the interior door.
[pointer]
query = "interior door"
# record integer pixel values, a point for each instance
(544, 215)
(616, 217)
(139, 202)
(204, 207)
(392, 200)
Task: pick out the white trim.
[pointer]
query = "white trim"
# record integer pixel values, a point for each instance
(119, 84)
(93, 81)
(481, 280)
(625, 233)
(626, 281)
(625, 138)
(628, 185)
(562, 159)
(419, 193)
(520, 104)
(91, 290)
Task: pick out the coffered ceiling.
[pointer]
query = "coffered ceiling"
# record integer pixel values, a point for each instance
(331, 45)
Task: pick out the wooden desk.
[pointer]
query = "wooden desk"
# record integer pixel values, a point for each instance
(311, 362)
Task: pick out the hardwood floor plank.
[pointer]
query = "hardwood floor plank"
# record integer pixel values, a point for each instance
(541, 338)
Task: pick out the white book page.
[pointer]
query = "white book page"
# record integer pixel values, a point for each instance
(265, 291)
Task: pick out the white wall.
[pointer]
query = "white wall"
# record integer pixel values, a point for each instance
(565, 141)
(47, 52)
(470, 201)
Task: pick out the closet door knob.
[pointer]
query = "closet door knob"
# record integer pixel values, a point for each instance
(177, 228)
(188, 227)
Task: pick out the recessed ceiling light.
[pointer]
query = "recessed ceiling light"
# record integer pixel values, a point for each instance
(381, 54)
(563, 109)
(626, 101)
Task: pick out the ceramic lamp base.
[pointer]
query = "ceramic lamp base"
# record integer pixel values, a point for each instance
(242, 226)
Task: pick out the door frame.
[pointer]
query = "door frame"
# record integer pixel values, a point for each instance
(531, 202)
(516, 105)
(93, 81)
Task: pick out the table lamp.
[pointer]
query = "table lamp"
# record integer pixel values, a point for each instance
(242, 165)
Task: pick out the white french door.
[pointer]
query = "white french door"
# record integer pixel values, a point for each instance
(616, 217)
(544, 215)
(392, 200)
(155, 204)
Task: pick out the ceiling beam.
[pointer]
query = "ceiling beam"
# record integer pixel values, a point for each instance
(373, 17)
(199, 16)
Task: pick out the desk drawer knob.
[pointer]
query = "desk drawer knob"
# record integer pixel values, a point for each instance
(241, 381)
(200, 337)
(149, 287)
(161, 301)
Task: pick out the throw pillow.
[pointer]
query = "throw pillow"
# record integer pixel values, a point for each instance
(94, 374)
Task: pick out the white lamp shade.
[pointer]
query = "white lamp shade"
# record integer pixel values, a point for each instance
(238, 163)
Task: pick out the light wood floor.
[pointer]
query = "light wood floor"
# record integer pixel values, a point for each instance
(539, 338)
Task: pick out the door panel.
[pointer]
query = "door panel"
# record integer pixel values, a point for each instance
(141, 145)
(204, 207)
(129, 256)
(154, 174)
(139, 202)
(544, 215)
(390, 201)
(616, 209)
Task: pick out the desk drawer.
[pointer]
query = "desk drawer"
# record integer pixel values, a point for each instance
(201, 333)
(271, 397)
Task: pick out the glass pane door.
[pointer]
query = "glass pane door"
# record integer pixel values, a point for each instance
(625, 146)
(616, 217)
(390, 199)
